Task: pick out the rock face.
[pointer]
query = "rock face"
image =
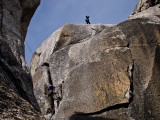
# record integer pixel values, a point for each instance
(145, 4)
(17, 100)
(152, 12)
(101, 72)
(40, 64)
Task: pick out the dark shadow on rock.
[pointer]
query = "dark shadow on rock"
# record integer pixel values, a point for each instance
(91, 115)
(114, 107)
(15, 79)
(76, 116)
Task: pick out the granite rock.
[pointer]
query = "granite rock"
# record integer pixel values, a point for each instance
(107, 73)
(145, 4)
(102, 72)
(17, 99)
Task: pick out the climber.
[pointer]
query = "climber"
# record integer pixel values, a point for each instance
(57, 95)
(87, 20)
(48, 110)
(50, 90)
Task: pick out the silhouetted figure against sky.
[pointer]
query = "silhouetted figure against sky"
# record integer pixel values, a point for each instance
(87, 20)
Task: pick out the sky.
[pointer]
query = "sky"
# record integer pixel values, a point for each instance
(53, 14)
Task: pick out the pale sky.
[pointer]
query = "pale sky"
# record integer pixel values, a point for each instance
(53, 14)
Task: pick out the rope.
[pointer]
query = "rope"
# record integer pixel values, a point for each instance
(29, 47)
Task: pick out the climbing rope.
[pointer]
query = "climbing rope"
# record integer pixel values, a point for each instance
(29, 47)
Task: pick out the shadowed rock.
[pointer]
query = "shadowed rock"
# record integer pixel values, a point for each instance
(17, 100)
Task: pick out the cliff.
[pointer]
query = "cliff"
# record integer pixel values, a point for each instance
(17, 100)
(101, 72)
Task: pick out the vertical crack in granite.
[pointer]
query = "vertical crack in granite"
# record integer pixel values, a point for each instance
(114, 107)
(48, 72)
(151, 94)
(130, 72)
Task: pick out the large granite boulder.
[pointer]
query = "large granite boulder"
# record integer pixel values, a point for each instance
(17, 100)
(101, 72)
(105, 71)
(40, 63)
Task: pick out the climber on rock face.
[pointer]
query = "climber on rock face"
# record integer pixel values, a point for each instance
(57, 95)
(50, 90)
(87, 20)
(48, 110)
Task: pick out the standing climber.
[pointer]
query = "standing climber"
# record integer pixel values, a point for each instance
(48, 103)
(57, 95)
(87, 20)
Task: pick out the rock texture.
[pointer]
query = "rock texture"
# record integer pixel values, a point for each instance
(17, 100)
(102, 72)
(152, 12)
(40, 65)
(145, 4)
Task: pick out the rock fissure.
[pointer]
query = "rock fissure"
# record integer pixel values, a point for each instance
(110, 108)
(38, 54)
(122, 48)
(131, 90)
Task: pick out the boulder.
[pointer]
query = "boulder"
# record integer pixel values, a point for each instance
(40, 63)
(102, 72)
(105, 71)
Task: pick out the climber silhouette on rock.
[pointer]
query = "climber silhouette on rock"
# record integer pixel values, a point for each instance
(87, 20)
(50, 90)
